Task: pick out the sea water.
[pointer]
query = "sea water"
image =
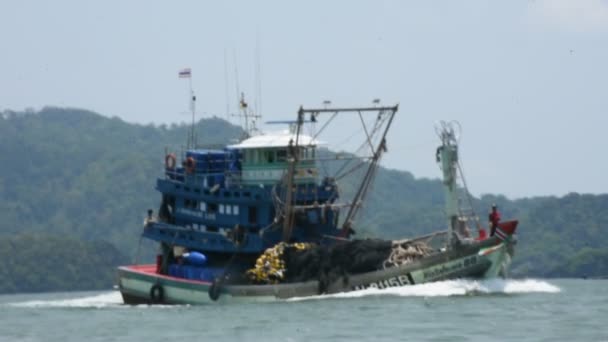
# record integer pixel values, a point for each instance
(460, 310)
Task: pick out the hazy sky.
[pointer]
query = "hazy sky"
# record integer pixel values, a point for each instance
(526, 79)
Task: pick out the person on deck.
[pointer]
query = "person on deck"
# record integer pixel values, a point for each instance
(494, 219)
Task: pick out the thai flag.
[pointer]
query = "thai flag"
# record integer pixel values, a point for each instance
(505, 229)
(185, 73)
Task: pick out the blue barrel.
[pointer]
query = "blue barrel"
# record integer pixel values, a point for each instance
(195, 258)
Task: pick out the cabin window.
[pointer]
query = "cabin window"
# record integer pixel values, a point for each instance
(186, 203)
(228, 209)
(270, 156)
(253, 215)
(235, 209)
(203, 206)
(193, 204)
(281, 155)
(212, 207)
(221, 209)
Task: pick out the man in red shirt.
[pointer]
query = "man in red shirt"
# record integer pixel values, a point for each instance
(494, 218)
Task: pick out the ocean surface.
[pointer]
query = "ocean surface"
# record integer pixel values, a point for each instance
(462, 310)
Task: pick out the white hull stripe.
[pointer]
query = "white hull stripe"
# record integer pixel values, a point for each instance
(501, 234)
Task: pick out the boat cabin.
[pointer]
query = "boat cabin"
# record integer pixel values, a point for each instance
(265, 158)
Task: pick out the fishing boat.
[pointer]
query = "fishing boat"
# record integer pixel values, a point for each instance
(256, 220)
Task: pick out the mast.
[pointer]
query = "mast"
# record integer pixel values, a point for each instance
(447, 157)
(292, 160)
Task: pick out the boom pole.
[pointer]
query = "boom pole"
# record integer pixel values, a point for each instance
(367, 179)
(369, 175)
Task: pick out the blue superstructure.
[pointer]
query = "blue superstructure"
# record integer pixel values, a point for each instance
(230, 202)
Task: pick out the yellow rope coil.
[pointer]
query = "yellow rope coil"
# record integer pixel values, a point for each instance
(269, 267)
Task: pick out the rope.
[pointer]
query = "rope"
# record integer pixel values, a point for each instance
(138, 250)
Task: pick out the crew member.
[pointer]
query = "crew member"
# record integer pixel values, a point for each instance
(494, 218)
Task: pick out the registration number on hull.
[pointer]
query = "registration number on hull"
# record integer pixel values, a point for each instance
(428, 274)
(400, 280)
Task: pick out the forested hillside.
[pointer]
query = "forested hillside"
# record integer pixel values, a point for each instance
(80, 174)
(81, 177)
(76, 177)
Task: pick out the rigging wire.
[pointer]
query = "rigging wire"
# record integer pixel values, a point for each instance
(468, 195)
(379, 123)
(325, 125)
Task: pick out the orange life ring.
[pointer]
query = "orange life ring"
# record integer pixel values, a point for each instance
(190, 165)
(170, 161)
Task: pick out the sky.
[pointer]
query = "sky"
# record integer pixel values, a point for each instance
(527, 80)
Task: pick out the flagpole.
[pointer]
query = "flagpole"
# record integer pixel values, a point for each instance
(193, 109)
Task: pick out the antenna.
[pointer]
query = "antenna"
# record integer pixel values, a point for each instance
(236, 78)
(187, 73)
(248, 115)
(226, 81)
(258, 78)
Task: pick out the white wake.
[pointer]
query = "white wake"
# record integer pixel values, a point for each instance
(448, 288)
(101, 300)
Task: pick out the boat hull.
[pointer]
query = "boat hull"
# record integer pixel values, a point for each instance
(140, 284)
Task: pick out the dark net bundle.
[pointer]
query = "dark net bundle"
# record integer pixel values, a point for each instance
(328, 264)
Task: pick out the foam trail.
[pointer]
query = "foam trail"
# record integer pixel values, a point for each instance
(102, 300)
(448, 288)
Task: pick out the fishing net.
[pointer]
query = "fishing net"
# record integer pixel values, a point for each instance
(300, 262)
(405, 252)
